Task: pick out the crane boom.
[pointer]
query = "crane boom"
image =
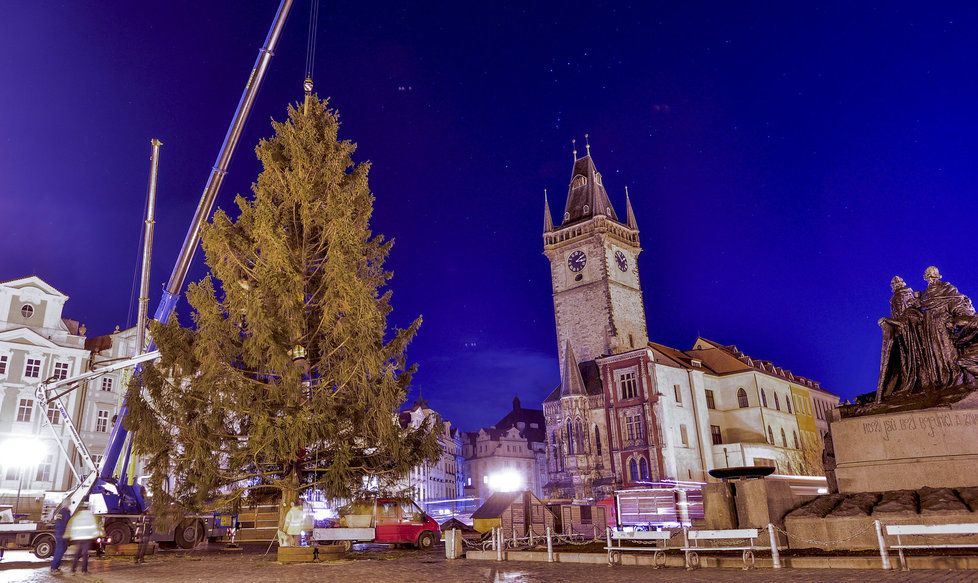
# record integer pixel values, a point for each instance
(119, 495)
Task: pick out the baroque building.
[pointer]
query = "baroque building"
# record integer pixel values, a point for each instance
(510, 455)
(443, 479)
(628, 411)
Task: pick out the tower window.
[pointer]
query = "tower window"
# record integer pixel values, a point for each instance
(629, 385)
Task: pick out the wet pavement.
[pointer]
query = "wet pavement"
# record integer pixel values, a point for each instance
(412, 566)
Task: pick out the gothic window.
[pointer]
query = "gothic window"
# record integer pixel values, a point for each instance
(787, 403)
(643, 469)
(633, 427)
(784, 440)
(710, 400)
(633, 475)
(629, 385)
(742, 399)
(570, 437)
(579, 181)
(679, 394)
(777, 401)
(597, 440)
(763, 398)
(795, 435)
(580, 437)
(770, 435)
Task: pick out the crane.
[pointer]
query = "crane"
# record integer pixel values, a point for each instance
(118, 494)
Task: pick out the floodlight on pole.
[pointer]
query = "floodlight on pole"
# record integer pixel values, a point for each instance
(506, 481)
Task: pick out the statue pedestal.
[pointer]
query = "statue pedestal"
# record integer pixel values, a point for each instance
(935, 447)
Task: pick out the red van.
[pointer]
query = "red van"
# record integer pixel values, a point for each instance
(381, 520)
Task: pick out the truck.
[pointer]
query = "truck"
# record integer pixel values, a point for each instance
(380, 520)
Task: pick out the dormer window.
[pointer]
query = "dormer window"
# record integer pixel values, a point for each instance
(579, 181)
(566, 216)
(597, 178)
(27, 310)
(587, 209)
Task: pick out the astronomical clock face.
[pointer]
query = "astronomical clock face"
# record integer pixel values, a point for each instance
(577, 261)
(621, 260)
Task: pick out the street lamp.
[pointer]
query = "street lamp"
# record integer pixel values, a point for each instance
(21, 452)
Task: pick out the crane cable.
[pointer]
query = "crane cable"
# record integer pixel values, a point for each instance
(311, 49)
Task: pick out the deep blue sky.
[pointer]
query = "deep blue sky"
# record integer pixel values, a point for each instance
(784, 161)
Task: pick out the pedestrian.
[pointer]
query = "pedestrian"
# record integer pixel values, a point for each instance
(83, 528)
(61, 516)
(143, 532)
(294, 522)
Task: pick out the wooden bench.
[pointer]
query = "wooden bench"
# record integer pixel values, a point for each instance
(901, 530)
(658, 539)
(695, 536)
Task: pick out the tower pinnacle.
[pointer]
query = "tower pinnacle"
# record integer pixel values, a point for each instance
(630, 214)
(548, 222)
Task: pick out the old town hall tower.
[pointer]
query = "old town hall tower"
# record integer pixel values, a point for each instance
(594, 272)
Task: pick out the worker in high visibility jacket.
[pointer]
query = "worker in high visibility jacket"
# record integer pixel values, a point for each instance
(295, 522)
(83, 528)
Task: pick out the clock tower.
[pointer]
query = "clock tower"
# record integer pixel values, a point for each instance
(597, 295)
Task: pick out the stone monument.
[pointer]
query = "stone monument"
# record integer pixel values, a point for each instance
(908, 452)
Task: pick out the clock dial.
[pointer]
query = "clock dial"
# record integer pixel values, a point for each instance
(577, 261)
(622, 260)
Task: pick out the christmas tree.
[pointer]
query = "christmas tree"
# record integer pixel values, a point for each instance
(289, 378)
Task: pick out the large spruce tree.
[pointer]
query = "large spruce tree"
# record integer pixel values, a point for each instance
(288, 378)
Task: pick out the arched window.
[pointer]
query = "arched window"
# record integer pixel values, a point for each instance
(787, 403)
(763, 398)
(581, 436)
(597, 440)
(777, 401)
(795, 435)
(633, 475)
(643, 469)
(784, 440)
(770, 435)
(570, 437)
(742, 398)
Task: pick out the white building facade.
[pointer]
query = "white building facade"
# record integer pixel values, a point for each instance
(443, 479)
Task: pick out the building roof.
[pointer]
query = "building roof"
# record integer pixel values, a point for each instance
(496, 504)
(591, 375)
(586, 196)
(527, 417)
(727, 359)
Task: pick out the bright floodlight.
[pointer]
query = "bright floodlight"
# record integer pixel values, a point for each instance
(21, 452)
(506, 481)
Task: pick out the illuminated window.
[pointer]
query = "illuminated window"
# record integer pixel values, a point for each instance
(102, 421)
(24, 410)
(742, 401)
(629, 385)
(32, 369)
(61, 370)
(27, 310)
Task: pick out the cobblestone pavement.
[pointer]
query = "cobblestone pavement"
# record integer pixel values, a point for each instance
(412, 566)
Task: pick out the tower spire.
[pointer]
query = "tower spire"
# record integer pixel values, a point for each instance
(571, 381)
(630, 214)
(548, 222)
(587, 144)
(574, 147)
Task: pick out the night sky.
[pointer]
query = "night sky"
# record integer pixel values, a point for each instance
(784, 161)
